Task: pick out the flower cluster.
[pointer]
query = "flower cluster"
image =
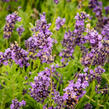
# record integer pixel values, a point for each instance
(19, 55)
(93, 3)
(75, 90)
(97, 9)
(41, 86)
(79, 28)
(105, 32)
(20, 30)
(44, 86)
(15, 53)
(106, 9)
(11, 20)
(16, 104)
(41, 43)
(94, 74)
(80, 24)
(59, 22)
(103, 90)
(58, 100)
(71, 39)
(94, 38)
(7, 56)
(98, 72)
(97, 56)
(42, 26)
(68, 45)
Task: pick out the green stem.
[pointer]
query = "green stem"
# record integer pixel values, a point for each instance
(93, 100)
(6, 43)
(19, 40)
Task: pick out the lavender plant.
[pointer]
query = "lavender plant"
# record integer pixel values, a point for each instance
(61, 59)
(11, 20)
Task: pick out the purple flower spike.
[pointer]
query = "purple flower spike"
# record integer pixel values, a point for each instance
(16, 104)
(11, 20)
(94, 38)
(19, 55)
(20, 30)
(106, 9)
(59, 23)
(40, 87)
(56, 1)
(74, 91)
(41, 44)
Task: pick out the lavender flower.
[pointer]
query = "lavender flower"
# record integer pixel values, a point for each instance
(41, 44)
(15, 53)
(20, 30)
(79, 28)
(93, 3)
(105, 89)
(86, 69)
(97, 56)
(16, 104)
(56, 1)
(106, 9)
(80, 23)
(40, 87)
(46, 107)
(68, 45)
(7, 56)
(74, 91)
(94, 38)
(42, 26)
(71, 39)
(11, 20)
(105, 32)
(26, 77)
(97, 9)
(19, 55)
(31, 44)
(98, 72)
(95, 74)
(59, 22)
(58, 99)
